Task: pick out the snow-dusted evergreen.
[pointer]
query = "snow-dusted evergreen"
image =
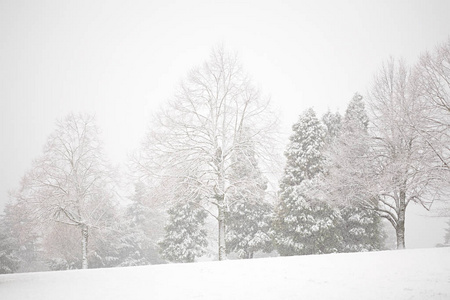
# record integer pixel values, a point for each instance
(61, 244)
(9, 262)
(185, 239)
(249, 228)
(360, 227)
(303, 224)
(249, 215)
(304, 151)
(19, 225)
(333, 124)
(141, 230)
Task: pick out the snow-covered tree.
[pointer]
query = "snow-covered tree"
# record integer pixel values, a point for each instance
(249, 215)
(333, 124)
(391, 165)
(433, 72)
(195, 137)
(403, 164)
(143, 226)
(71, 183)
(303, 224)
(356, 119)
(19, 225)
(362, 230)
(249, 228)
(341, 181)
(248, 218)
(304, 152)
(185, 239)
(9, 261)
(60, 244)
(360, 227)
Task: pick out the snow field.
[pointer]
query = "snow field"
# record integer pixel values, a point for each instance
(406, 274)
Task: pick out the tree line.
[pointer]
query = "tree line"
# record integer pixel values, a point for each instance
(203, 177)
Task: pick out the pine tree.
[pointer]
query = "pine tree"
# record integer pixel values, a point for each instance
(249, 228)
(333, 124)
(134, 245)
(184, 239)
(303, 154)
(360, 227)
(26, 242)
(355, 116)
(248, 219)
(9, 261)
(141, 230)
(60, 244)
(303, 224)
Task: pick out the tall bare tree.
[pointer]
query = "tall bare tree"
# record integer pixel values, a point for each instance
(192, 142)
(71, 183)
(404, 163)
(433, 73)
(391, 165)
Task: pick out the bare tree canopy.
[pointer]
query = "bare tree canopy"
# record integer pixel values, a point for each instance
(433, 72)
(392, 164)
(189, 149)
(71, 183)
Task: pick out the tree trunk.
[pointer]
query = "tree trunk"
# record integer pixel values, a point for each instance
(220, 197)
(400, 228)
(84, 246)
(221, 219)
(400, 231)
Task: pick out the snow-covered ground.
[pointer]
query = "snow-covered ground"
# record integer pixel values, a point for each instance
(407, 274)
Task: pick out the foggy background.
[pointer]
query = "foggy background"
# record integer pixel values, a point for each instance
(120, 60)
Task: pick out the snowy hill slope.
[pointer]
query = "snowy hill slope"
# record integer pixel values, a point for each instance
(407, 274)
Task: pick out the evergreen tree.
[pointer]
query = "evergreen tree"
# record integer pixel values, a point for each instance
(333, 124)
(303, 224)
(248, 219)
(360, 227)
(249, 228)
(9, 261)
(60, 244)
(356, 118)
(303, 154)
(141, 230)
(23, 234)
(184, 239)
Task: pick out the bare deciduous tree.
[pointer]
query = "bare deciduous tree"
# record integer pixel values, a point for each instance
(71, 183)
(403, 162)
(391, 165)
(190, 147)
(433, 73)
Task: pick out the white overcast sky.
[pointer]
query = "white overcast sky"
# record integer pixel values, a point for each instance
(120, 60)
